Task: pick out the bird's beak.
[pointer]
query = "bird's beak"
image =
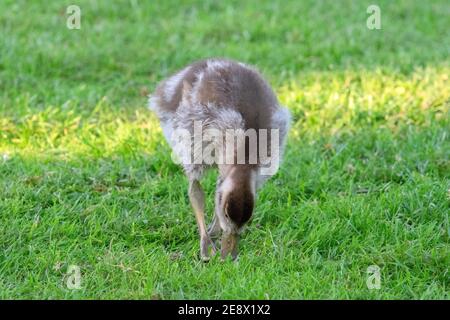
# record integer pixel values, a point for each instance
(229, 245)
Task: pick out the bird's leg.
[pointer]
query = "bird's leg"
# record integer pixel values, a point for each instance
(214, 228)
(197, 198)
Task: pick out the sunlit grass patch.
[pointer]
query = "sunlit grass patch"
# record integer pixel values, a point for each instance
(329, 103)
(321, 103)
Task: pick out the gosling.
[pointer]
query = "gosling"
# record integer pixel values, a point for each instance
(223, 95)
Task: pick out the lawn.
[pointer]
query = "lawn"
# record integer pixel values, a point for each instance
(86, 177)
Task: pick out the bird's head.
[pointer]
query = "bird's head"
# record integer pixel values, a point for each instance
(236, 200)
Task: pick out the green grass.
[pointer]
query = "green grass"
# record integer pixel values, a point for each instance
(86, 177)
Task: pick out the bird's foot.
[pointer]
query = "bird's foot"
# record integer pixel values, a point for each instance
(205, 244)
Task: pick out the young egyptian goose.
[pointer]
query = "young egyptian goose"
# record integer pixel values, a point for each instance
(221, 95)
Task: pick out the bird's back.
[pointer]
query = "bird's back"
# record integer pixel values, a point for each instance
(222, 84)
